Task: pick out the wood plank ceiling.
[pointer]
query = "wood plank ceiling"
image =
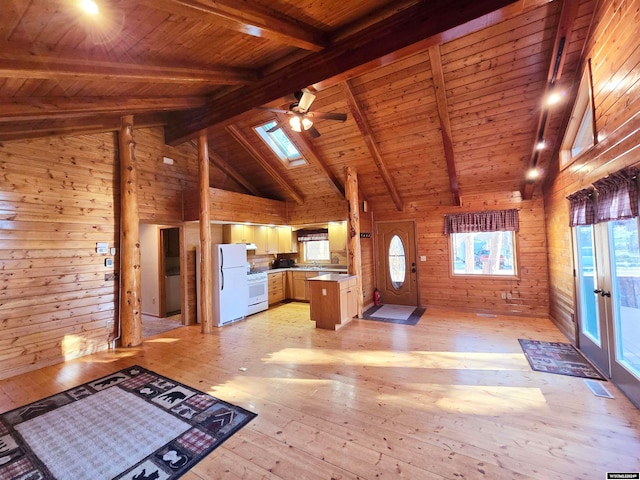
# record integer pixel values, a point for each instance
(443, 98)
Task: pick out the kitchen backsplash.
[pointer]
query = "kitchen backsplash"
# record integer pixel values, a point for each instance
(264, 262)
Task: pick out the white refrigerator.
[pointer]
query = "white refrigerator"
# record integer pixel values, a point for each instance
(230, 292)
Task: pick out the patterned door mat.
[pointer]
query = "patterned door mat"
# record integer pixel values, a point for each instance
(133, 424)
(559, 358)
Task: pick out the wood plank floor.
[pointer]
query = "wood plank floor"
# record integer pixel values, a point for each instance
(452, 397)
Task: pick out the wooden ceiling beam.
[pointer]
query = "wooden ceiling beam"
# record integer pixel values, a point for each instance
(222, 164)
(373, 44)
(264, 163)
(368, 136)
(76, 126)
(38, 108)
(313, 155)
(250, 19)
(25, 65)
(443, 116)
(561, 43)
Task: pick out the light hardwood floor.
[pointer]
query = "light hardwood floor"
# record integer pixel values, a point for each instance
(452, 397)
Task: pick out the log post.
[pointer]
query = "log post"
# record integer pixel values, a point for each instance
(353, 231)
(130, 297)
(206, 272)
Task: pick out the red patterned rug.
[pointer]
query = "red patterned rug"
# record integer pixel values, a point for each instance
(131, 425)
(559, 358)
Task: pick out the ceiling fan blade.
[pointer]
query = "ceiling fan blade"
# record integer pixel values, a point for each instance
(306, 100)
(313, 131)
(275, 110)
(328, 116)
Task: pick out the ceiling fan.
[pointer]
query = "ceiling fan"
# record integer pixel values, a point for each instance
(300, 118)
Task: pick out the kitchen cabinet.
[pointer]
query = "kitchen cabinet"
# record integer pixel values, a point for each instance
(337, 236)
(299, 287)
(266, 240)
(286, 241)
(238, 233)
(333, 300)
(276, 287)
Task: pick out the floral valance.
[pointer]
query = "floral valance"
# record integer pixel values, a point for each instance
(487, 221)
(582, 210)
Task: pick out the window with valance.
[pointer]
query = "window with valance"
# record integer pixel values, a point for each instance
(483, 243)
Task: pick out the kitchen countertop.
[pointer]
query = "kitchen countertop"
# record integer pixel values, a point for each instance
(308, 269)
(332, 277)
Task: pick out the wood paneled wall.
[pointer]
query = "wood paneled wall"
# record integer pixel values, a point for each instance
(437, 287)
(319, 209)
(615, 59)
(59, 197)
(236, 207)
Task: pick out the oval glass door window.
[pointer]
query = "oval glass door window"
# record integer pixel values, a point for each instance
(397, 262)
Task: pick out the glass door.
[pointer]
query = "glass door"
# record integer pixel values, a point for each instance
(625, 305)
(608, 296)
(592, 333)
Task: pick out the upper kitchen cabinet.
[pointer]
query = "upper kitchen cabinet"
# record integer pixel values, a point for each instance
(238, 233)
(338, 236)
(286, 241)
(266, 240)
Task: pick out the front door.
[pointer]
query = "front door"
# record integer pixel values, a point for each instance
(396, 263)
(609, 306)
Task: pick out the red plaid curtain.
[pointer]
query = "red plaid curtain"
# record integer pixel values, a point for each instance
(582, 209)
(490, 221)
(618, 195)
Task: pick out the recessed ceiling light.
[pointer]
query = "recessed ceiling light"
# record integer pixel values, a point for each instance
(533, 173)
(554, 98)
(89, 6)
(540, 145)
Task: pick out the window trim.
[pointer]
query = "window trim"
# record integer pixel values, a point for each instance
(583, 106)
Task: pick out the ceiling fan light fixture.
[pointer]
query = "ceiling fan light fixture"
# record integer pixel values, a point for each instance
(296, 124)
(306, 123)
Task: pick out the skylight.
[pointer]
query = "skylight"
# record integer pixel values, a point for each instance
(280, 144)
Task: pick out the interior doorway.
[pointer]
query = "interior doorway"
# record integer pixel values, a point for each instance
(607, 259)
(169, 271)
(396, 263)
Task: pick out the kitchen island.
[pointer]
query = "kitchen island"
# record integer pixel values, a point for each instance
(333, 300)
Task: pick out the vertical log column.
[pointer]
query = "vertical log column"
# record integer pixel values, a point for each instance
(206, 272)
(130, 298)
(353, 231)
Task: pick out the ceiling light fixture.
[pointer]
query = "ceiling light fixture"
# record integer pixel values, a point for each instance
(533, 173)
(298, 122)
(89, 6)
(554, 98)
(540, 145)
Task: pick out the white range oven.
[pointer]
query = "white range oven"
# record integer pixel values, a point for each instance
(258, 292)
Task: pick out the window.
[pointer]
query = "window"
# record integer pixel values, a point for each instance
(580, 134)
(316, 250)
(280, 144)
(483, 253)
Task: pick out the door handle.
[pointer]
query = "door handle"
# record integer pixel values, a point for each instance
(605, 294)
(597, 290)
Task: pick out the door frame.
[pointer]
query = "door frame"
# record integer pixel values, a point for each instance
(379, 274)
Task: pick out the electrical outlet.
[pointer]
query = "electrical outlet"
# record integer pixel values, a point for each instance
(504, 295)
(509, 295)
